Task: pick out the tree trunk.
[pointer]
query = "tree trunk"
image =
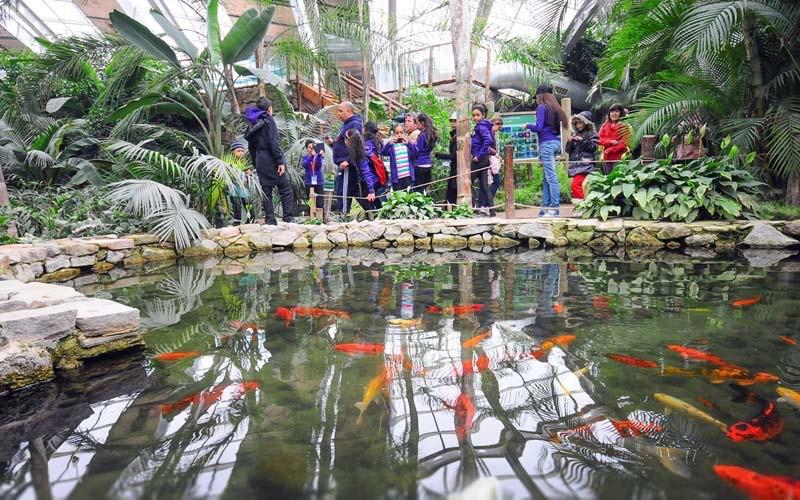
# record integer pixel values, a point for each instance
(392, 22)
(363, 19)
(460, 31)
(793, 191)
(750, 32)
(5, 202)
(235, 109)
(262, 89)
(478, 28)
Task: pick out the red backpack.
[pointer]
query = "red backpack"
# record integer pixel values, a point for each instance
(379, 169)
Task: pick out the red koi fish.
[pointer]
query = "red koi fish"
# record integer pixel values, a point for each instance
(788, 340)
(632, 361)
(459, 310)
(360, 349)
(476, 340)
(318, 312)
(722, 374)
(709, 404)
(601, 302)
(210, 396)
(746, 302)
(633, 428)
(559, 308)
(763, 427)
(759, 486)
(696, 354)
(480, 365)
(464, 414)
(285, 314)
(176, 356)
(540, 352)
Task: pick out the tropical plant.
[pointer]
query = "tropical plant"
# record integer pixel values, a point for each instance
(408, 205)
(708, 188)
(462, 211)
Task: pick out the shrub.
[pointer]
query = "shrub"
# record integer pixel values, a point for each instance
(408, 205)
(462, 211)
(708, 188)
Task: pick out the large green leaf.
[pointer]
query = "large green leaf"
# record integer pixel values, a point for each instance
(175, 33)
(138, 34)
(214, 40)
(134, 105)
(245, 35)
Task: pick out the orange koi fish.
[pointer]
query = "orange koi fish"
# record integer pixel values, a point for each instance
(746, 302)
(632, 361)
(406, 323)
(542, 350)
(464, 414)
(719, 375)
(359, 349)
(766, 425)
(210, 396)
(376, 385)
(176, 356)
(759, 486)
(559, 308)
(601, 302)
(634, 428)
(458, 310)
(788, 340)
(469, 343)
(285, 314)
(318, 312)
(696, 354)
(480, 365)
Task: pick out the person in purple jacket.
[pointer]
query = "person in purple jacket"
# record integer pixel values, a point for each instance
(350, 121)
(421, 152)
(312, 164)
(549, 118)
(482, 140)
(364, 180)
(401, 170)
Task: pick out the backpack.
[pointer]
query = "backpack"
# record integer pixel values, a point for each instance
(379, 169)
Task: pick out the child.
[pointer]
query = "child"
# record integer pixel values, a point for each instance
(421, 151)
(312, 163)
(402, 171)
(242, 206)
(365, 192)
(615, 137)
(373, 143)
(480, 142)
(581, 148)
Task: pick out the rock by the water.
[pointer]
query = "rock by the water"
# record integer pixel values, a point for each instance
(765, 236)
(358, 238)
(700, 240)
(641, 237)
(540, 231)
(673, 232)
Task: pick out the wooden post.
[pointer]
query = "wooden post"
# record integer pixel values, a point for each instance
(487, 92)
(648, 148)
(508, 179)
(430, 67)
(566, 105)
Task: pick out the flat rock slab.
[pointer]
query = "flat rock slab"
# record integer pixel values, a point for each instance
(765, 236)
(24, 365)
(43, 327)
(112, 243)
(96, 317)
(35, 295)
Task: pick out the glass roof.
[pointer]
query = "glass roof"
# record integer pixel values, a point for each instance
(29, 19)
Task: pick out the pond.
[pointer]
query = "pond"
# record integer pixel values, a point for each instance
(388, 381)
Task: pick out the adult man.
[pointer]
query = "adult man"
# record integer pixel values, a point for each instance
(262, 140)
(410, 124)
(345, 112)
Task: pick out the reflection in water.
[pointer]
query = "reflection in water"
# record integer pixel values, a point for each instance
(492, 368)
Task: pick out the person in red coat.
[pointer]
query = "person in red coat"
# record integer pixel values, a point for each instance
(614, 137)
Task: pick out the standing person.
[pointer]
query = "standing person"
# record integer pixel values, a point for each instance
(410, 123)
(242, 201)
(345, 112)
(581, 148)
(614, 137)
(494, 160)
(312, 164)
(421, 151)
(549, 117)
(363, 180)
(400, 168)
(452, 157)
(262, 141)
(373, 144)
(481, 142)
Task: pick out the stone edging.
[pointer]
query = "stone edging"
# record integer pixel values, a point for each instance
(71, 259)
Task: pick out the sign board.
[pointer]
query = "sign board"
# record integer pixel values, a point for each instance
(526, 144)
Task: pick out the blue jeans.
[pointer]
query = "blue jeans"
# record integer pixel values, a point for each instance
(551, 195)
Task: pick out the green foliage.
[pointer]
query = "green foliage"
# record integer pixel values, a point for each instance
(462, 211)
(528, 190)
(779, 211)
(709, 188)
(581, 63)
(425, 100)
(408, 205)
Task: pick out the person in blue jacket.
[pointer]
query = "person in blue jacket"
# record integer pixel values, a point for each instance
(373, 144)
(549, 118)
(312, 164)
(481, 142)
(422, 151)
(362, 177)
(350, 121)
(401, 168)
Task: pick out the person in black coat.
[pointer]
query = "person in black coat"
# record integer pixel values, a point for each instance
(262, 140)
(452, 157)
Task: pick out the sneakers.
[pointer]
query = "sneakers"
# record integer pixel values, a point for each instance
(542, 211)
(550, 213)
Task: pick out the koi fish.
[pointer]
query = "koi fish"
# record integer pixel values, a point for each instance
(210, 396)
(746, 302)
(696, 354)
(709, 404)
(458, 310)
(601, 302)
(723, 374)
(789, 396)
(285, 314)
(176, 356)
(630, 360)
(363, 349)
(464, 414)
(406, 323)
(480, 365)
(763, 427)
(372, 389)
(759, 486)
(541, 351)
(788, 340)
(559, 308)
(318, 312)
(469, 343)
(634, 428)
(683, 407)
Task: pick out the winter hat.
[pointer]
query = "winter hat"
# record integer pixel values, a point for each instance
(544, 89)
(454, 117)
(581, 117)
(587, 115)
(236, 145)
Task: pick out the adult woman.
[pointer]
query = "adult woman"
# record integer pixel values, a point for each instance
(549, 118)
(421, 152)
(614, 137)
(481, 142)
(581, 147)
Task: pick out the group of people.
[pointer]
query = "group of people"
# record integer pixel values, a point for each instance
(359, 151)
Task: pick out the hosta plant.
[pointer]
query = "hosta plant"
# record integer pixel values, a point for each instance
(708, 188)
(408, 205)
